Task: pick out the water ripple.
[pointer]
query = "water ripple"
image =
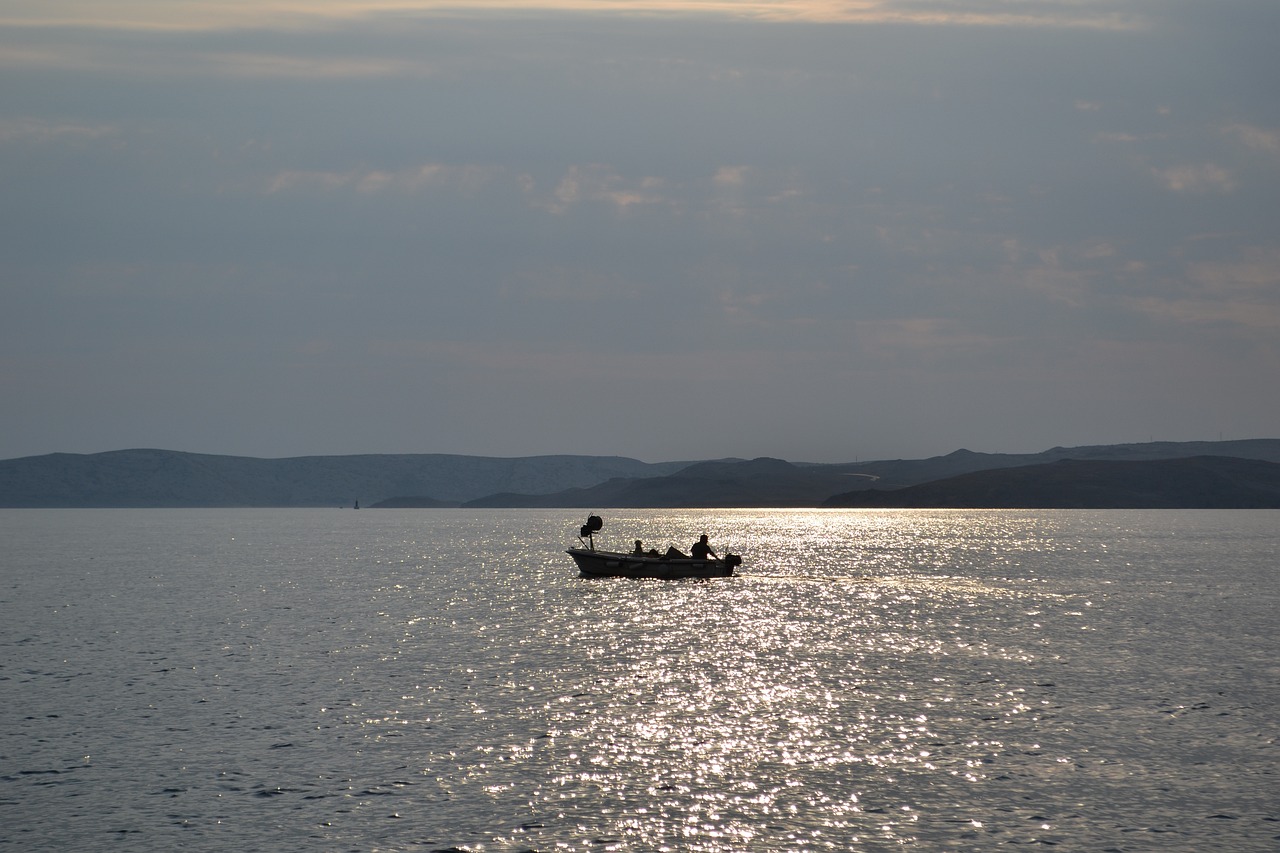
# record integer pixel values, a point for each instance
(442, 681)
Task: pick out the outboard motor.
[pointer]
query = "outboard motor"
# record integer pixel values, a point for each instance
(588, 530)
(731, 561)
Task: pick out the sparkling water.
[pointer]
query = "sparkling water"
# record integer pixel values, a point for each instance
(443, 680)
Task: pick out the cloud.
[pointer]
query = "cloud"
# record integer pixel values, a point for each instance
(1255, 273)
(159, 15)
(1253, 316)
(926, 342)
(530, 205)
(599, 183)
(26, 129)
(157, 56)
(374, 181)
(249, 65)
(1237, 293)
(1206, 178)
(731, 176)
(1115, 136)
(1257, 138)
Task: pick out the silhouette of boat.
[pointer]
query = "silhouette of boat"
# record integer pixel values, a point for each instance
(673, 565)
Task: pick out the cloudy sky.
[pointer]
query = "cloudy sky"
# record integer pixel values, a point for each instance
(823, 230)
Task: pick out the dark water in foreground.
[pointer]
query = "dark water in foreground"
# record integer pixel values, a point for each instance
(427, 680)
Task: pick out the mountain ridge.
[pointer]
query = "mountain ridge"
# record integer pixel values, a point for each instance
(776, 483)
(169, 478)
(1195, 482)
(166, 478)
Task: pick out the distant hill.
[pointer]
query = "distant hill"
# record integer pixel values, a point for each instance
(167, 478)
(757, 483)
(774, 482)
(411, 502)
(1198, 482)
(899, 473)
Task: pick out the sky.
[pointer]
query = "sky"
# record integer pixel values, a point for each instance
(821, 230)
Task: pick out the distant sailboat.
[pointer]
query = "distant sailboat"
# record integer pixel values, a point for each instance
(357, 506)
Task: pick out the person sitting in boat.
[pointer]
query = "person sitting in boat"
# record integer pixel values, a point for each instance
(701, 549)
(639, 551)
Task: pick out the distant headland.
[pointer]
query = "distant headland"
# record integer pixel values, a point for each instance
(1213, 474)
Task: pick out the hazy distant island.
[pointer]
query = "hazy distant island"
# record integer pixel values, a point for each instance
(167, 478)
(1223, 474)
(1197, 482)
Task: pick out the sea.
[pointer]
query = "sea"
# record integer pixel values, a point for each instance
(442, 680)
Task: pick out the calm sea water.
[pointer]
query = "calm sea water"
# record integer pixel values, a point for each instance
(437, 680)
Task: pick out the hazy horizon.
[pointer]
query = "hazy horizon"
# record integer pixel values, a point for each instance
(851, 460)
(662, 229)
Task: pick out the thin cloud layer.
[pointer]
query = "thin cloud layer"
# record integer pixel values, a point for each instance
(291, 14)
(661, 230)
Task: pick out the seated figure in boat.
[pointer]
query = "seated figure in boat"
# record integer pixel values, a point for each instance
(701, 549)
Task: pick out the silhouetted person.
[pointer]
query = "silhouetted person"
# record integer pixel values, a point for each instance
(701, 549)
(639, 551)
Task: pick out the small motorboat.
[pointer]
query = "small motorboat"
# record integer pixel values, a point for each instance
(672, 565)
